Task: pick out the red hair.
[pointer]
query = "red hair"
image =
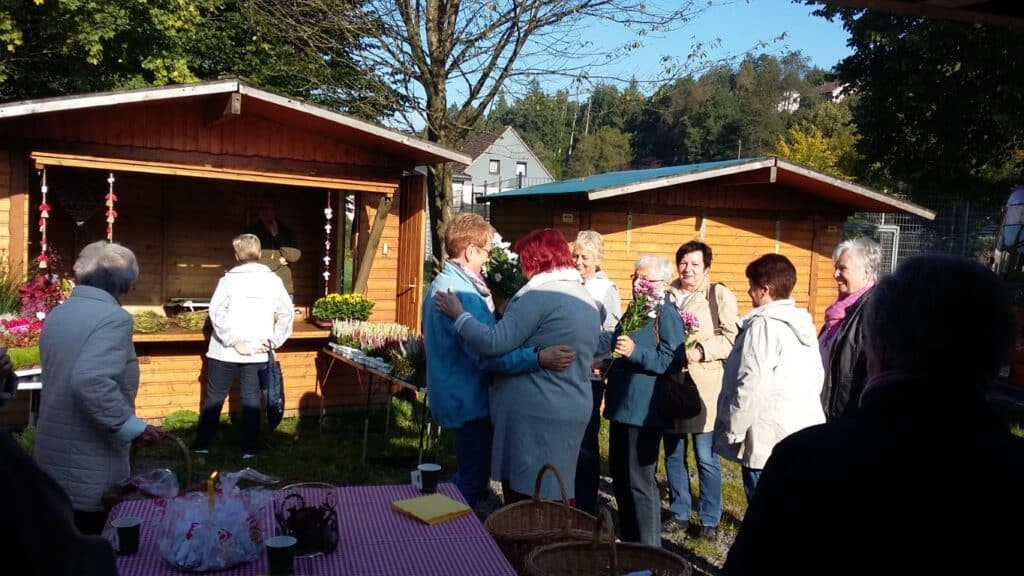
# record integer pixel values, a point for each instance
(543, 251)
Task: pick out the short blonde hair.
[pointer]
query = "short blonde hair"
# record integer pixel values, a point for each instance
(463, 229)
(247, 248)
(590, 242)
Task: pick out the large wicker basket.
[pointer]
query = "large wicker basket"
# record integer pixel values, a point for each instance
(596, 558)
(519, 528)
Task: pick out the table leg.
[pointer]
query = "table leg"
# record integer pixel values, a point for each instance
(423, 421)
(323, 391)
(366, 420)
(33, 407)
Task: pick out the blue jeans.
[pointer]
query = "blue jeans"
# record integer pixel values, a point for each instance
(219, 377)
(473, 457)
(709, 474)
(751, 477)
(588, 465)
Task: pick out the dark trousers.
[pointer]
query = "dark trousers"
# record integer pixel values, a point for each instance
(219, 377)
(90, 522)
(588, 465)
(473, 457)
(633, 459)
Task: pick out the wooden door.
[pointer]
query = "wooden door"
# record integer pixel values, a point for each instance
(412, 209)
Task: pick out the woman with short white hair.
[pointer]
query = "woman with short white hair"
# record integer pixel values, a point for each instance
(841, 340)
(87, 418)
(251, 314)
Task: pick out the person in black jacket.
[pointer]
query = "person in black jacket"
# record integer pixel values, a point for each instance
(38, 532)
(924, 475)
(842, 338)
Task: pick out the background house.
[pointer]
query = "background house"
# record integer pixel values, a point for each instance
(501, 161)
(742, 208)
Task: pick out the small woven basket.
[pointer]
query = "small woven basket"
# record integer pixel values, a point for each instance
(596, 558)
(117, 494)
(519, 528)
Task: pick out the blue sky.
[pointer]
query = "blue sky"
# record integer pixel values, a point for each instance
(738, 25)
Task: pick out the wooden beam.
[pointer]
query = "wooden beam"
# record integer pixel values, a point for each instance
(812, 288)
(194, 171)
(19, 252)
(372, 242)
(222, 107)
(257, 163)
(764, 175)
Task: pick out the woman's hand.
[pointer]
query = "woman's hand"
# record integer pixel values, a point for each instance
(448, 303)
(694, 355)
(624, 346)
(557, 358)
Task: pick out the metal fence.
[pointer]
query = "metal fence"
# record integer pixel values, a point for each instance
(962, 226)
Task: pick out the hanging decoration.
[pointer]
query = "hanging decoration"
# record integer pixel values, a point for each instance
(328, 216)
(111, 213)
(44, 215)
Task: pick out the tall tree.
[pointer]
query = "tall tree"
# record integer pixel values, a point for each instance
(604, 150)
(940, 102)
(52, 47)
(443, 51)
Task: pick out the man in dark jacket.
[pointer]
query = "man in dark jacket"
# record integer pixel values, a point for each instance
(38, 532)
(924, 475)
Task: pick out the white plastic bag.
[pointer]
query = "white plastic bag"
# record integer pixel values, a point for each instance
(198, 537)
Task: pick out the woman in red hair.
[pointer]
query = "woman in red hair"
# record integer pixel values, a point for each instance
(539, 416)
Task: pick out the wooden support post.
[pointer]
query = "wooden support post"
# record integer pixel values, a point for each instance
(222, 108)
(366, 261)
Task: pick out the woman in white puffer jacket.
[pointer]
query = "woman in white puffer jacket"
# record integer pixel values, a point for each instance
(251, 313)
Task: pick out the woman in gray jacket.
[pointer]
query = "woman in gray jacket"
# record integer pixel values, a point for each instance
(87, 408)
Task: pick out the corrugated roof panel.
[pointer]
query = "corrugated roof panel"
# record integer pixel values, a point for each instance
(614, 179)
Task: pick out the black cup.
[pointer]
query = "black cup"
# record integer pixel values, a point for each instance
(281, 555)
(127, 534)
(428, 477)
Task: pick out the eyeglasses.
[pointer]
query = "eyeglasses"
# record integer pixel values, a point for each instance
(651, 280)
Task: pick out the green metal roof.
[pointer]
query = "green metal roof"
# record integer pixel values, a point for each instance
(608, 180)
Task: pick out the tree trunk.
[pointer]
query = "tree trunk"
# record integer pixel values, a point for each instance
(439, 196)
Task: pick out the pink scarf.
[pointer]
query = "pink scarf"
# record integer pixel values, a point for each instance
(834, 316)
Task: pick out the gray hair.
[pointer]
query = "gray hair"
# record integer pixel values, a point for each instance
(247, 247)
(663, 266)
(591, 242)
(866, 250)
(917, 322)
(108, 266)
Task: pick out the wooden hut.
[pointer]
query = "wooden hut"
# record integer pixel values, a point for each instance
(186, 163)
(742, 208)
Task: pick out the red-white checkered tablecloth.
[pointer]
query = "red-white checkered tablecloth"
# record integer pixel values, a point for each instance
(373, 540)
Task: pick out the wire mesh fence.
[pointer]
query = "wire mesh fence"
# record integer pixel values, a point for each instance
(962, 226)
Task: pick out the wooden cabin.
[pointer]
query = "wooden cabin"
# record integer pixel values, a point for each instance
(741, 208)
(186, 164)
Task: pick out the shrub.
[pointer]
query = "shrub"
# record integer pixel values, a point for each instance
(336, 306)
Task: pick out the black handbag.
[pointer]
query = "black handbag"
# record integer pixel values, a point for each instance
(676, 396)
(272, 385)
(675, 393)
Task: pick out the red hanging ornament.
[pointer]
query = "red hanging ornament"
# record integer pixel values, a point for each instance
(44, 215)
(111, 213)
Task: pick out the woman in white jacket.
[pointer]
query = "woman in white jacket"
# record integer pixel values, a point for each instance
(251, 313)
(772, 382)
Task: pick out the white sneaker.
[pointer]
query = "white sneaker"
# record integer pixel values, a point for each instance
(202, 451)
(248, 456)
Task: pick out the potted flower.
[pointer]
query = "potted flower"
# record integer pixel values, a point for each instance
(336, 306)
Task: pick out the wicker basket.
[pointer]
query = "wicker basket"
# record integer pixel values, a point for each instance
(519, 528)
(117, 494)
(595, 558)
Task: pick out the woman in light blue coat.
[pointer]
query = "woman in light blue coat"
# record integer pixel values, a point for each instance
(87, 416)
(539, 417)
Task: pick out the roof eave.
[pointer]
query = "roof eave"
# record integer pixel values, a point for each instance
(678, 179)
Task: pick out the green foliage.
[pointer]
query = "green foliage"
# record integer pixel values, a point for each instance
(938, 101)
(10, 302)
(336, 306)
(26, 438)
(24, 357)
(180, 420)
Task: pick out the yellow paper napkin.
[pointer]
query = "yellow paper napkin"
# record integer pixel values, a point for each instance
(432, 508)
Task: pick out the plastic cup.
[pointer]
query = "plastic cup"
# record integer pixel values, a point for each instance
(281, 555)
(128, 528)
